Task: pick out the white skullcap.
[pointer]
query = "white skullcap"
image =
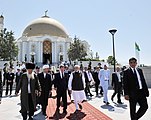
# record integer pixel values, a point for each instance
(61, 65)
(18, 68)
(78, 66)
(45, 66)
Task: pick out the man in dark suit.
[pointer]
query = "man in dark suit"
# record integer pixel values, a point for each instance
(88, 79)
(135, 89)
(96, 78)
(18, 76)
(61, 85)
(68, 73)
(117, 85)
(45, 83)
(9, 81)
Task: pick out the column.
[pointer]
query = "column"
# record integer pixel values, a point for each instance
(53, 52)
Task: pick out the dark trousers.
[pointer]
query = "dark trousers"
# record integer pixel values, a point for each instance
(87, 88)
(69, 94)
(31, 108)
(16, 86)
(96, 87)
(139, 98)
(118, 90)
(101, 90)
(7, 87)
(44, 102)
(63, 94)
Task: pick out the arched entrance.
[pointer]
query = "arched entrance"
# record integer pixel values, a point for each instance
(47, 52)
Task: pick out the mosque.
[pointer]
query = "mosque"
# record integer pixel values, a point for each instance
(44, 41)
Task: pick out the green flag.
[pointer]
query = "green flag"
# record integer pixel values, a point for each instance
(137, 47)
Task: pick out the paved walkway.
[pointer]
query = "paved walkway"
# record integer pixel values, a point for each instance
(10, 106)
(87, 113)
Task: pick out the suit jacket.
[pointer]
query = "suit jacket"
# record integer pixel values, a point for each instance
(18, 77)
(10, 77)
(61, 83)
(96, 77)
(45, 83)
(130, 83)
(46, 86)
(115, 81)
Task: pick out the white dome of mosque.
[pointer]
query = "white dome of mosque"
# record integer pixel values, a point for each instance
(45, 26)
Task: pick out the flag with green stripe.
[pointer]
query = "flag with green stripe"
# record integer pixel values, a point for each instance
(137, 47)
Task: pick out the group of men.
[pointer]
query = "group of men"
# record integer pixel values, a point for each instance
(40, 84)
(78, 83)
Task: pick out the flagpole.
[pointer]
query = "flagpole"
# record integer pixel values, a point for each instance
(137, 55)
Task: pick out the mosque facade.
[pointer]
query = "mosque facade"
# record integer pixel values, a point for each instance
(44, 41)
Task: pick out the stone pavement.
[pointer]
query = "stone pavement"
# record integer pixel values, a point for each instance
(88, 112)
(10, 106)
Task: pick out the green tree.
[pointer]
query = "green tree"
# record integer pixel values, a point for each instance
(77, 50)
(8, 46)
(110, 60)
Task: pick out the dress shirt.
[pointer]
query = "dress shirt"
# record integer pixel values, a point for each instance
(138, 78)
(61, 74)
(44, 75)
(90, 78)
(119, 76)
(29, 90)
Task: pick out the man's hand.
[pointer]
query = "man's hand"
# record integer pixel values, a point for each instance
(39, 93)
(16, 94)
(126, 97)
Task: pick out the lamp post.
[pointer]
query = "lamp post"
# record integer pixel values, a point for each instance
(113, 31)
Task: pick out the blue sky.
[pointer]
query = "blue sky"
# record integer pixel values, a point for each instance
(90, 20)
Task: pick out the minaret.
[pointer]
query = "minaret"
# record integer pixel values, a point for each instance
(1, 22)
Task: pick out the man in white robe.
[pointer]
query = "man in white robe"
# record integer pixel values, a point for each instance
(76, 86)
(104, 76)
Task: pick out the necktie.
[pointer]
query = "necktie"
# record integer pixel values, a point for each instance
(136, 78)
(135, 74)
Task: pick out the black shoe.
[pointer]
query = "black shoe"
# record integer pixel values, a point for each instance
(107, 103)
(104, 101)
(91, 95)
(64, 111)
(120, 102)
(30, 118)
(57, 110)
(44, 113)
(84, 101)
(80, 106)
(77, 111)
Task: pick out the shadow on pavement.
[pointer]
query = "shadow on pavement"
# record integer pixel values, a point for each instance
(109, 107)
(124, 106)
(78, 115)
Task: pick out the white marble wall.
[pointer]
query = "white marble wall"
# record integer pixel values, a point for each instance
(26, 43)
